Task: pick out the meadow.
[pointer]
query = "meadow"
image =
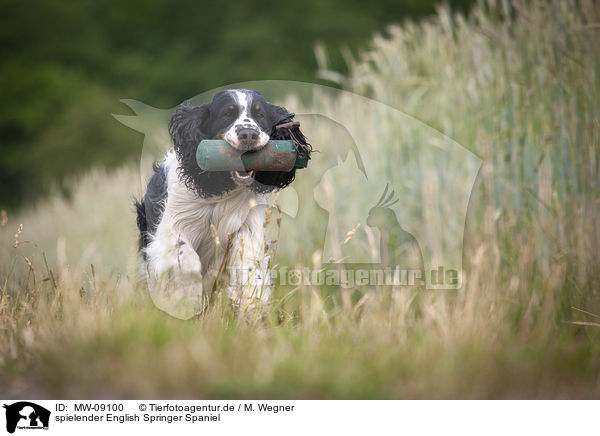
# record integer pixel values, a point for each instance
(518, 85)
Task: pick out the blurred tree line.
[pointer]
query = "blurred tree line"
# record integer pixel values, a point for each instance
(64, 65)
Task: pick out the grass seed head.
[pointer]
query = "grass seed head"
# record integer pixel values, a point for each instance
(19, 230)
(351, 234)
(215, 236)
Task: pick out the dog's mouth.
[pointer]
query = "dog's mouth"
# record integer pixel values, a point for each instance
(243, 178)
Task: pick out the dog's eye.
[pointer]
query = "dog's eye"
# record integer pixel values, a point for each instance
(257, 112)
(230, 111)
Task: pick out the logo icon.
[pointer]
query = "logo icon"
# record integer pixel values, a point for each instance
(367, 150)
(26, 415)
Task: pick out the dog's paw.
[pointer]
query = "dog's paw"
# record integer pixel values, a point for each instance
(188, 261)
(250, 283)
(175, 280)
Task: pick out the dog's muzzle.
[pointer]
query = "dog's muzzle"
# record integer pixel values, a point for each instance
(247, 137)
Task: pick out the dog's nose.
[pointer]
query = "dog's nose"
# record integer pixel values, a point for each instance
(247, 137)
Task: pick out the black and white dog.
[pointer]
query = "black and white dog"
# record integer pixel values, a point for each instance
(186, 211)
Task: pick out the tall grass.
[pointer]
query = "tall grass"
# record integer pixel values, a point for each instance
(516, 83)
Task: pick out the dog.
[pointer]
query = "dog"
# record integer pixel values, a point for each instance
(194, 223)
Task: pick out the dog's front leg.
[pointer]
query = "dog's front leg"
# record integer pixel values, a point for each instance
(249, 269)
(173, 269)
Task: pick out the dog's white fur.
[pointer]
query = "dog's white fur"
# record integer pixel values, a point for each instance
(183, 248)
(244, 119)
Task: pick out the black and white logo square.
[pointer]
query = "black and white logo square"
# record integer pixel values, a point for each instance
(26, 415)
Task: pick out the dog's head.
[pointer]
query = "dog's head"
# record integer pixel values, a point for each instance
(246, 121)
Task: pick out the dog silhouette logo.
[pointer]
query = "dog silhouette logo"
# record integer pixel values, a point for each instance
(26, 415)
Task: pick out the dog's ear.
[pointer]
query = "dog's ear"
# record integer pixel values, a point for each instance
(187, 128)
(270, 180)
(278, 114)
(281, 115)
(188, 124)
